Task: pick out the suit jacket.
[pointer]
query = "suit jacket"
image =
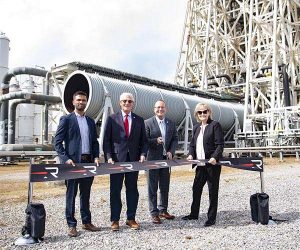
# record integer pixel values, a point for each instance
(155, 151)
(68, 132)
(115, 143)
(213, 140)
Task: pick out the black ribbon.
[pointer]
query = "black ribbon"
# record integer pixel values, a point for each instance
(55, 172)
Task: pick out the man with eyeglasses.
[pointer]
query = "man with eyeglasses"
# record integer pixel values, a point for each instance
(124, 141)
(162, 138)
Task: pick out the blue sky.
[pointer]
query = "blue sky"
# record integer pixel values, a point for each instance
(137, 36)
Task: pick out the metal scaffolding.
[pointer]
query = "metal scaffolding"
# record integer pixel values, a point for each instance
(251, 50)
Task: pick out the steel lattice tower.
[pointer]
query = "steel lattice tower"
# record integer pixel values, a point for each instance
(251, 50)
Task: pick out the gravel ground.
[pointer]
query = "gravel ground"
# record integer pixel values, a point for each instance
(233, 230)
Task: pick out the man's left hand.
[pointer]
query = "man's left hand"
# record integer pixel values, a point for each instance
(97, 161)
(169, 155)
(212, 161)
(142, 158)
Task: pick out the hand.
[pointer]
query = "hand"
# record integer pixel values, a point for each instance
(97, 161)
(190, 157)
(110, 160)
(212, 161)
(169, 155)
(160, 140)
(142, 158)
(70, 162)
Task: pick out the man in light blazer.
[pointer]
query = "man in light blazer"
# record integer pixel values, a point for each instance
(162, 138)
(78, 133)
(124, 141)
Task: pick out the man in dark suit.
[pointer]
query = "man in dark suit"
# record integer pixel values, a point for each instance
(79, 135)
(162, 138)
(124, 141)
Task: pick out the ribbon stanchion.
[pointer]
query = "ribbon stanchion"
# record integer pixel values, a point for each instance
(54, 172)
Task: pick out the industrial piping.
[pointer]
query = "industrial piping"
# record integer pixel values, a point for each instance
(25, 147)
(46, 111)
(26, 96)
(5, 90)
(12, 117)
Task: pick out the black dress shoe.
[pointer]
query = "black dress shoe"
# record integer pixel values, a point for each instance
(209, 223)
(189, 217)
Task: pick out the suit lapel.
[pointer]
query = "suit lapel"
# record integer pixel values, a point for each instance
(156, 125)
(119, 118)
(74, 118)
(207, 127)
(197, 131)
(133, 123)
(167, 131)
(89, 126)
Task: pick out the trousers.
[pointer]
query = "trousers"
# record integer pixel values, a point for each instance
(84, 185)
(210, 174)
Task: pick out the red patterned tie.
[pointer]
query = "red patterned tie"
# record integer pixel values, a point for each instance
(126, 126)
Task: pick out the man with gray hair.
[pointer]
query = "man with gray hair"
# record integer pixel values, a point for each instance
(124, 141)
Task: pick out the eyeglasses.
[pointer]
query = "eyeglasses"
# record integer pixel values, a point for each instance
(129, 101)
(202, 112)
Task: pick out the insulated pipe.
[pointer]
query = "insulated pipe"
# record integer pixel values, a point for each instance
(26, 147)
(46, 109)
(286, 87)
(3, 115)
(29, 96)
(23, 71)
(12, 117)
(5, 90)
(145, 97)
(24, 96)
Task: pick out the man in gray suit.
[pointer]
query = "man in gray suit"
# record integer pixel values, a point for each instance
(162, 138)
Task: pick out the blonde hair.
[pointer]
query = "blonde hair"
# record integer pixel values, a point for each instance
(201, 106)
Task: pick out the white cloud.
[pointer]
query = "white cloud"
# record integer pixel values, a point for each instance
(138, 36)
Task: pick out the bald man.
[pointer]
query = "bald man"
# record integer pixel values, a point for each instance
(162, 138)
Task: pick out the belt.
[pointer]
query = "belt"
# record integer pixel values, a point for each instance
(86, 157)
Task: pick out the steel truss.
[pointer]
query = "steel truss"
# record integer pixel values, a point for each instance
(251, 50)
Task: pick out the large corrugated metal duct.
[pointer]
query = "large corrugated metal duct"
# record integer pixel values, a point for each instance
(97, 87)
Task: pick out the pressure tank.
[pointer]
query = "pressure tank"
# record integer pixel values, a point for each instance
(26, 117)
(4, 51)
(97, 87)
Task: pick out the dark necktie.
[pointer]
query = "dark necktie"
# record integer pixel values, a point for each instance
(126, 126)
